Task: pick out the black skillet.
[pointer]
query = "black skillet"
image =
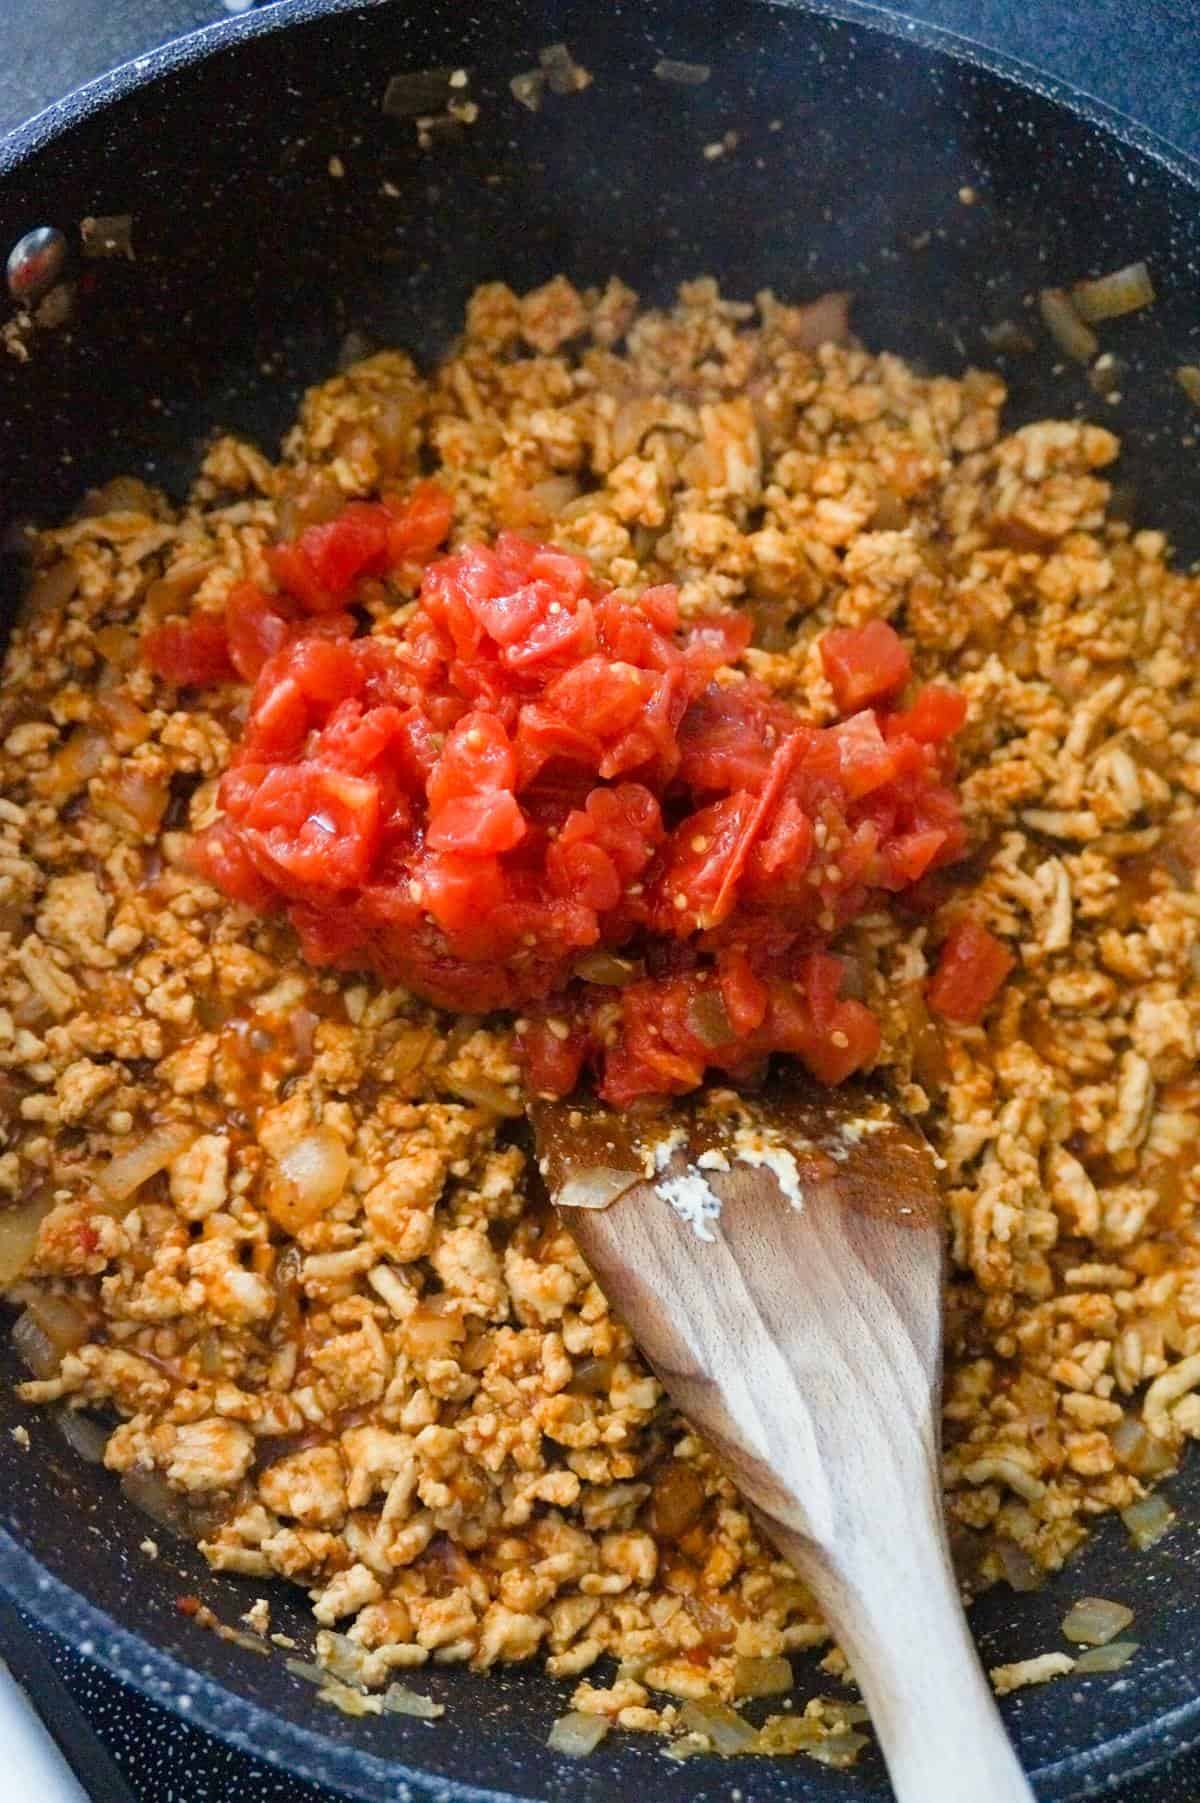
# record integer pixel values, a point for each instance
(855, 133)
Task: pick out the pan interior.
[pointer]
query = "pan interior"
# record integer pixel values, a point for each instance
(844, 151)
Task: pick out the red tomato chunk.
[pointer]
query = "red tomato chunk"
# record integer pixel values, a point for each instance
(972, 967)
(534, 774)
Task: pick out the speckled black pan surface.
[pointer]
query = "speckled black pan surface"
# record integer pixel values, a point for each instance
(252, 263)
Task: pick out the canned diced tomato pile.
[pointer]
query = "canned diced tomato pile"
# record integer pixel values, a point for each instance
(544, 796)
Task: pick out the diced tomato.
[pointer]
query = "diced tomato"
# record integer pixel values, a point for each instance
(744, 993)
(312, 827)
(970, 972)
(257, 628)
(191, 654)
(482, 825)
(419, 524)
(477, 755)
(553, 1063)
(865, 759)
(533, 766)
(936, 714)
(220, 855)
(864, 664)
(458, 891)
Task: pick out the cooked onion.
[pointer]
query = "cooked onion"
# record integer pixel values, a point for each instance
(598, 1187)
(762, 1677)
(18, 1235)
(63, 1320)
(482, 1092)
(128, 1170)
(1094, 1622)
(606, 968)
(1066, 328)
(1148, 1520)
(784, 1734)
(107, 235)
(1110, 296)
(83, 1435)
(1108, 1658)
(34, 1347)
(728, 1731)
(838, 1750)
(433, 1328)
(52, 587)
(684, 75)
(1020, 1571)
(190, 1518)
(1010, 339)
(134, 802)
(74, 764)
(317, 1166)
(1139, 1451)
(576, 1734)
(1188, 377)
(677, 1500)
(398, 1699)
(823, 321)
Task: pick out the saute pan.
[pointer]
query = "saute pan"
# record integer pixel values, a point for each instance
(277, 207)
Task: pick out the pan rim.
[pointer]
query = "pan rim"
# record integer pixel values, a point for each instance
(125, 1654)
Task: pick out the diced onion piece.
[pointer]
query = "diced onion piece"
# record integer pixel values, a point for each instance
(1108, 1658)
(52, 588)
(1066, 328)
(74, 764)
(192, 1518)
(123, 494)
(606, 968)
(823, 321)
(1020, 1572)
(83, 1435)
(781, 1735)
(592, 1377)
(107, 235)
(34, 1347)
(431, 1331)
(598, 1187)
(134, 802)
(415, 93)
(1010, 339)
(1110, 296)
(728, 1731)
(128, 1170)
(528, 88)
(563, 73)
(316, 1168)
(306, 1669)
(762, 1677)
(838, 1750)
(350, 1701)
(686, 1747)
(63, 1320)
(684, 75)
(1148, 1520)
(1188, 377)
(482, 1092)
(1139, 1451)
(677, 1500)
(1094, 1622)
(398, 1699)
(576, 1734)
(18, 1235)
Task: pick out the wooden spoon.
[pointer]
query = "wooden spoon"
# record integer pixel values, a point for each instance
(805, 1344)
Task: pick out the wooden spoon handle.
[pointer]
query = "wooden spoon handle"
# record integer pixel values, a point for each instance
(895, 1604)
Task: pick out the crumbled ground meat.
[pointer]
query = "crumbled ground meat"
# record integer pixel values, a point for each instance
(411, 1399)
